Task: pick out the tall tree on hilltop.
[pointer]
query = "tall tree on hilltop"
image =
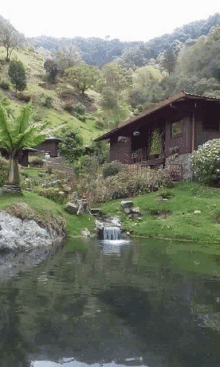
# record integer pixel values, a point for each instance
(15, 134)
(9, 37)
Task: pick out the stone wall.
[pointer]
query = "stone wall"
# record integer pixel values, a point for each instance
(180, 162)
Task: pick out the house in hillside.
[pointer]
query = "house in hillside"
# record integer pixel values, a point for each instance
(179, 124)
(50, 145)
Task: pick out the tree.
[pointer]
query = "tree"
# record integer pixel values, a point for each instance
(17, 75)
(83, 76)
(15, 134)
(52, 69)
(116, 76)
(9, 37)
(66, 57)
(168, 61)
(71, 146)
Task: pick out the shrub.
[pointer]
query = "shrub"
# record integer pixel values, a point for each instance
(205, 162)
(86, 164)
(37, 162)
(112, 168)
(4, 166)
(164, 193)
(48, 102)
(4, 85)
(79, 108)
(23, 97)
(49, 170)
(99, 125)
(52, 193)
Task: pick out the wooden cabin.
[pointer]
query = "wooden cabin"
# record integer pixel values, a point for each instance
(50, 145)
(23, 156)
(182, 123)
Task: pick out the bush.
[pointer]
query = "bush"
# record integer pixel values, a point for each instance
(112, 168)
(52, 193)
(165, 194)
(4, 167)
(4, 85)
(23, 97)
(99, 125)
(37, 162)
(79, 108)
(86, 164)
(205, 162)
(48, 102)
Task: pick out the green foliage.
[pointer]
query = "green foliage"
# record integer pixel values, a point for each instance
(52, 70)
(155, 142)
(36, 162)
(165, 193)
(79, 108)
(86, 164)
(4, 166)
(206, 162)
(48, 102)
(4, 85)
(71, 147)
(112, 169)
(83, 76)
(116, 77)
(17, 75)
(109, 98)
(52, 193)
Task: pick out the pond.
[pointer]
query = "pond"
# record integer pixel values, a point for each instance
(151, 303)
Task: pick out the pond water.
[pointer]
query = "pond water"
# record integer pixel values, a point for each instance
(151, 303)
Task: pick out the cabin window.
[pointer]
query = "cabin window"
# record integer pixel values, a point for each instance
(211, 122)
(176, 128)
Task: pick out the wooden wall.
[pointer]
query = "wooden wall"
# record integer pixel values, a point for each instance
(119, 147)
(50, 146)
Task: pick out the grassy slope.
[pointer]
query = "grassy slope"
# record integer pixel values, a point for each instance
(46, 211)
(33, 63)
(182, 223)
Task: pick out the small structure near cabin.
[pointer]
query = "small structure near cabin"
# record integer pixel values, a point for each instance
(23, 156)
(167, 133)
(50, 145)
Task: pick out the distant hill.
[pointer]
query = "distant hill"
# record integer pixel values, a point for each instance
(97, 51)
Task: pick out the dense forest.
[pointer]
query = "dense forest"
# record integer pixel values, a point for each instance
(113, 80)
(98, 52)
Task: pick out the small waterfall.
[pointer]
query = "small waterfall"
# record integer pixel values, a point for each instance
(112, 233)
(111, 236)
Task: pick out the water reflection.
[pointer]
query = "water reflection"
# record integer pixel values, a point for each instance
(85, 308)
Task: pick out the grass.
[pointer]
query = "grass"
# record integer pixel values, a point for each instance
(175, 218)
(34, 65)
(47, 212)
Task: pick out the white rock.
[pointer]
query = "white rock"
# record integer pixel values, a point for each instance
(197, 212)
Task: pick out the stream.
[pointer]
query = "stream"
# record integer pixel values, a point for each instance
(147, 303)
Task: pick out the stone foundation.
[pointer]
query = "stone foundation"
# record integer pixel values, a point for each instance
(180, 162)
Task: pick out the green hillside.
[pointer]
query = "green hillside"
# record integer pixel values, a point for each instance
(39, 90)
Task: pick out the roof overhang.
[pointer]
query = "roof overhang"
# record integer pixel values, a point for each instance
(182, 96)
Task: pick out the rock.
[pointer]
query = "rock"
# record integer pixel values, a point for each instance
(127, 204)
(55, 182)
(95, 211)
(61, 193)
(127, 210)
(136, 210)
(197, 212)
(66, 188)
(85, 233)
(71, 208)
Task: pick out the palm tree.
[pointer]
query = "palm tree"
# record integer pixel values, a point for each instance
(15, 134)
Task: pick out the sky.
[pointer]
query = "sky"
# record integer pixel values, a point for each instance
(137, 20)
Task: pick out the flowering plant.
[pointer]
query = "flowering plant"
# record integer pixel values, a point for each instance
(205, 162)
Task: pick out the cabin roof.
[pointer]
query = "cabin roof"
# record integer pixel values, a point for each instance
(156, 107)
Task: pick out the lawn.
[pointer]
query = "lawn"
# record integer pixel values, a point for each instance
(175, 218)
